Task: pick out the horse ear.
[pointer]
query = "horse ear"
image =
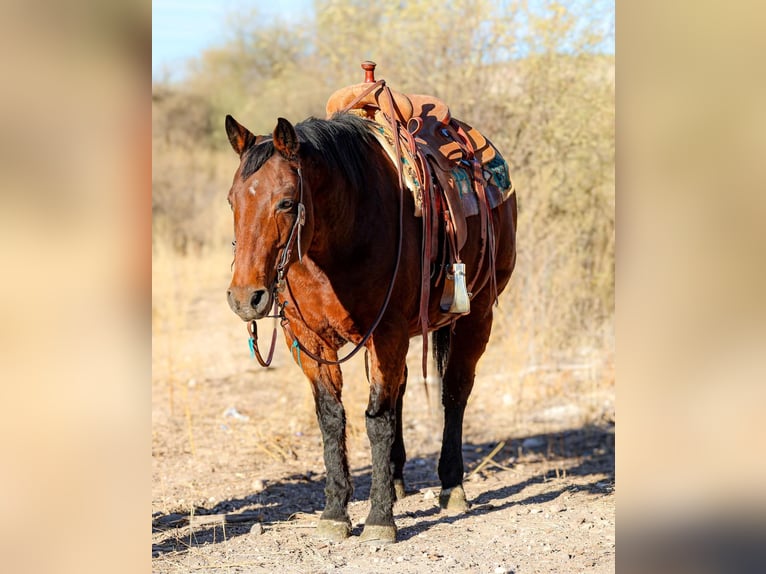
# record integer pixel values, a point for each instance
(239, 136)
(285, 139)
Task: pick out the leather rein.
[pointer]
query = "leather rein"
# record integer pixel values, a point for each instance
(295, 235)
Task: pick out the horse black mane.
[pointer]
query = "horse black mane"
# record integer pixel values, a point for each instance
(343, 143)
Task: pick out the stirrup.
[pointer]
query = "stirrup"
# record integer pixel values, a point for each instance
(455, 298)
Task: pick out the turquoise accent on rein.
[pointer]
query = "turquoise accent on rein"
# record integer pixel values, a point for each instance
(298, 349)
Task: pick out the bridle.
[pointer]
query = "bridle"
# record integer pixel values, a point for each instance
(281, 278)
(279, 281)
(295, 234)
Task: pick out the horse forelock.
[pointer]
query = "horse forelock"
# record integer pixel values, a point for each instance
(255, 157)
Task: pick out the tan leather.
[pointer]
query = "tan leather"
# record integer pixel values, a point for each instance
(341, 99)
(482, 149)
(431, 106)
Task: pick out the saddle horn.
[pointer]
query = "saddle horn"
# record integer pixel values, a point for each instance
(369, 71)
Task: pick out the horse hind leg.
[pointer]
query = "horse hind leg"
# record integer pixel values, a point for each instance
(466, 345)
(398, 453)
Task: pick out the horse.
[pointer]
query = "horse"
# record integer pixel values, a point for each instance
(326, 236)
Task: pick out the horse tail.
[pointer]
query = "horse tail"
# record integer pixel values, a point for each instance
(441, 343)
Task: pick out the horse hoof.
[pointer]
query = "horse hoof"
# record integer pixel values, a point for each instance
(334, 530)
(374, 533)
(399, 489)
(453, 499)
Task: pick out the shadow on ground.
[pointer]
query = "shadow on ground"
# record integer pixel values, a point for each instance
(583, 452)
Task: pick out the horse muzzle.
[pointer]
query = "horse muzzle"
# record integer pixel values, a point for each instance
(250, 304)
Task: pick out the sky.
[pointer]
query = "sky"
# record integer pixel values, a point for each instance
(182, 29)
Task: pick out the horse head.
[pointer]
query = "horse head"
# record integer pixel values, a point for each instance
(269, 201)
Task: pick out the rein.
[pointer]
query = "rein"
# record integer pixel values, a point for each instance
(295, 231)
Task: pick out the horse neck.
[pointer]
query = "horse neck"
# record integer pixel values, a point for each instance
(346, 220)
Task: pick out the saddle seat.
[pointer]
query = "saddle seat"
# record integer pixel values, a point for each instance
(343, 100)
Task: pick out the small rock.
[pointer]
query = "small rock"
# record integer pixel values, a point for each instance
(235, 414)
(429, 494)
(257, 529)
(499, 570)
(535, 510)
(258, 485)
(533, 442)
(174, 518)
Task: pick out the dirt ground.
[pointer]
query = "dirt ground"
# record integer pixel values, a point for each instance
(238, 476)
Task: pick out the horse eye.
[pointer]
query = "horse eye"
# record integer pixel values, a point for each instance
(285, 204)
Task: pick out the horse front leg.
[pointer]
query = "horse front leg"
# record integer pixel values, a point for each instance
(326, 384)
(334, 523)
(387, 375)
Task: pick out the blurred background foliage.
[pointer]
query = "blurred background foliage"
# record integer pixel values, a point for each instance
(534, 77)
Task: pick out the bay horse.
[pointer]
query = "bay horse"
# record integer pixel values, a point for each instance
(325, 234)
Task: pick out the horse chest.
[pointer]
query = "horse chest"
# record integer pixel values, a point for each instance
(314, 304)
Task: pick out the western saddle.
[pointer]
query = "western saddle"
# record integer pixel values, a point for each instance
(453, 172)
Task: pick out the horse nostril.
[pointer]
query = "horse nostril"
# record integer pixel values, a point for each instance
(257, 296)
